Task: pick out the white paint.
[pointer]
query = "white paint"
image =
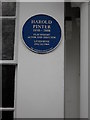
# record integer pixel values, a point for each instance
(40, 80)
(45, 0)
(89, 62)
(84, 62)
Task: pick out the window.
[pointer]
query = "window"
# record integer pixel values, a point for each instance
(8, 33)
(8, 8)
(8, 58)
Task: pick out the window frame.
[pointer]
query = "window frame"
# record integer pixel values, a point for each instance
(15, 57)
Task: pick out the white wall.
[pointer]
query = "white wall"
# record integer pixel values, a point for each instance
(84, 62)
(89, 61)
(40, 80)
(49, 0)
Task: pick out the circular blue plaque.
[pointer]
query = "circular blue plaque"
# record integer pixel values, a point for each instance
(41, 33)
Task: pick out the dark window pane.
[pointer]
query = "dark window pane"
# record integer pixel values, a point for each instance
(0, 115)
(0, 85)
(0, 8)
(6, 115)
(8, 34)
(8, 74)
(0, 39)
(8, 8)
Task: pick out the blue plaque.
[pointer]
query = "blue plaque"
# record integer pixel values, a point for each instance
(41, 33)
